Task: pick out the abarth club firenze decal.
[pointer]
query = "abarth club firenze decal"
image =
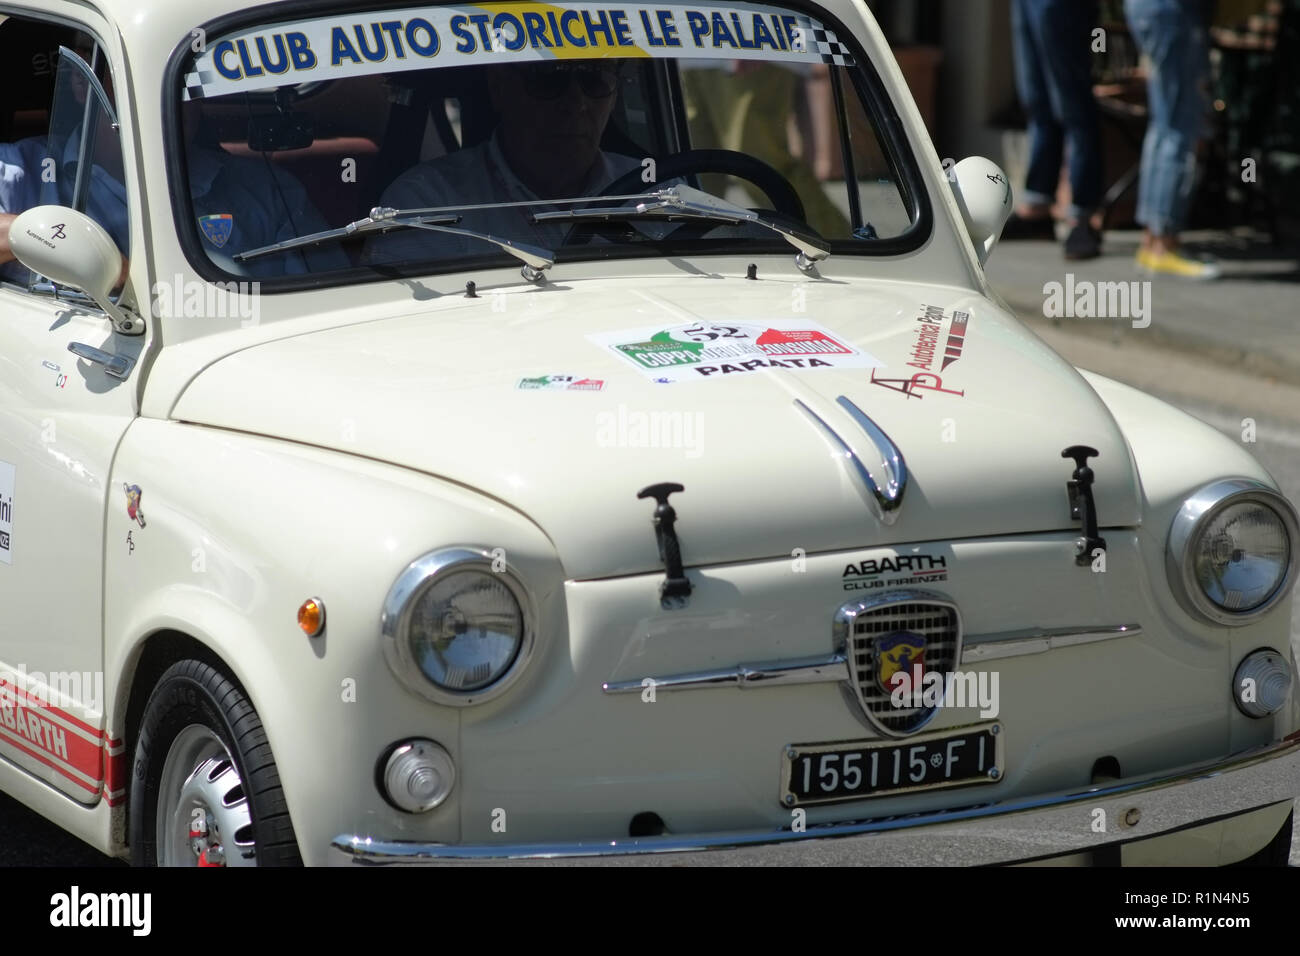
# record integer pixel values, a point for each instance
(731, 349)
(896, 571)
(928, 352)
(6, 512)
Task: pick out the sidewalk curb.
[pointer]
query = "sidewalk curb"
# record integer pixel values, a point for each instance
(1264, 364)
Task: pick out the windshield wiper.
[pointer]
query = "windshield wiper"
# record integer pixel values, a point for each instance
(536, 260)
(686, 202)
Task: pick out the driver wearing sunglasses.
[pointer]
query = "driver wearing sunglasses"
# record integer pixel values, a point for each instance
(546, 145)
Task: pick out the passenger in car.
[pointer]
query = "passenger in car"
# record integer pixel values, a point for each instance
(243, 203)
(546, 146)
(240, 203)
(42, 170)
(28, 177)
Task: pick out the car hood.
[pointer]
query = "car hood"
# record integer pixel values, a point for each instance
(979, 408)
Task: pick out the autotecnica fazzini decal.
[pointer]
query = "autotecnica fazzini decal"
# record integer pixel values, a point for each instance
(929, 351)
(7, 473)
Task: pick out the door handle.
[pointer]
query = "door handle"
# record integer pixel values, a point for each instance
(118, 366)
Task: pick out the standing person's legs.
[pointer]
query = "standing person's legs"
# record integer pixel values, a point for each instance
(1172, 36)
(1067, 65)
(1046, 137)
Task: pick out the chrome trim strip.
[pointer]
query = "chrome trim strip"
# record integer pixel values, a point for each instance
(885, 508)
(1005, 831)
(825, 670)
(891, 460)
(991, 647)
(806, 670)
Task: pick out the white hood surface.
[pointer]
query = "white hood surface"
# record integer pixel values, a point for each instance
(439, 392)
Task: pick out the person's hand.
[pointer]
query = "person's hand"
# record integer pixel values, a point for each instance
(6, 253)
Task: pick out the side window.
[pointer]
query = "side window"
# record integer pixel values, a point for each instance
(59, 140)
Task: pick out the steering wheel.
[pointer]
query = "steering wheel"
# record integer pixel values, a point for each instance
(692, 161)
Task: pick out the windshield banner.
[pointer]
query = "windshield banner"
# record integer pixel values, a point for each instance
(418, 38)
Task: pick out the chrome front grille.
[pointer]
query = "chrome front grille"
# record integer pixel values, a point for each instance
(861, 628)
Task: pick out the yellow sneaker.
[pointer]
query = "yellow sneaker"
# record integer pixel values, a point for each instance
(1171, 263)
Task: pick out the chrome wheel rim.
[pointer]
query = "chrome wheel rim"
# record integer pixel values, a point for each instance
(204, 817)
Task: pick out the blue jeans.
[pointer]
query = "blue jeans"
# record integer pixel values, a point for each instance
(1053, 58)
(1172, 34)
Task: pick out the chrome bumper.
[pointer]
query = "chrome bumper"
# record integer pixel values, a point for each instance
(1010, 831)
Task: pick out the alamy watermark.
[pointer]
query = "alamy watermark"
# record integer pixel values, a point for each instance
(636, 428)
(1085, 299)
(181, 298)
(922, 688)
(50, 689)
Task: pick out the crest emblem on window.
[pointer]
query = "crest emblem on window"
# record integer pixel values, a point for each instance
(217, 227)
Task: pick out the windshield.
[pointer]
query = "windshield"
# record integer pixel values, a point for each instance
(497, 133)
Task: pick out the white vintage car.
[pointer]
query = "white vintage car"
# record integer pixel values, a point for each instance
(576, 431)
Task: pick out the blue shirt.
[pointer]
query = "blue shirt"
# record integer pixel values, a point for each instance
(23, 169)
(236, 202)
(478, 174)
(245, 202)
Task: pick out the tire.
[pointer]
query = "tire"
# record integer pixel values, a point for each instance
(204, 787)
(1277, 852)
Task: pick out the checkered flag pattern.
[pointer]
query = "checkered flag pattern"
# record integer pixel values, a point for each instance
(831, 50)
(194, 83)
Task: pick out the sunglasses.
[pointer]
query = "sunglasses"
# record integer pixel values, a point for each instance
(550, 81)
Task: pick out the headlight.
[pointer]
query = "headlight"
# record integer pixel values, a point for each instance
(455, 630)
(1231, 553)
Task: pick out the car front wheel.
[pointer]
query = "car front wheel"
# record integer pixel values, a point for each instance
(204, 787)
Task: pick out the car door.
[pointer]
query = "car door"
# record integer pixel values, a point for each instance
(61, 419)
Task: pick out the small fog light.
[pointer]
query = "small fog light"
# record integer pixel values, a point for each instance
(1261, 684)
(418, 776)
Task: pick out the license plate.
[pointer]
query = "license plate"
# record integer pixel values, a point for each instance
(854, 770)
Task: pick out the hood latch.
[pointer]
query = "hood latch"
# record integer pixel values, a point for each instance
(674, 591)
(1082, 507)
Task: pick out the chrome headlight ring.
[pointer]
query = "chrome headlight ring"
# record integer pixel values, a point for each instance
(1197, 512)
(411, 585)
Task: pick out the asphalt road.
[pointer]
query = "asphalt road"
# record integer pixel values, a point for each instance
(1219, 394)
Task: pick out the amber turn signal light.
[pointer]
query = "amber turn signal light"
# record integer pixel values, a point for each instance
(311, 617)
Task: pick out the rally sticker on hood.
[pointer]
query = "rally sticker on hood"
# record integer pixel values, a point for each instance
(561, 383)
(929, 352)
(731, 350)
